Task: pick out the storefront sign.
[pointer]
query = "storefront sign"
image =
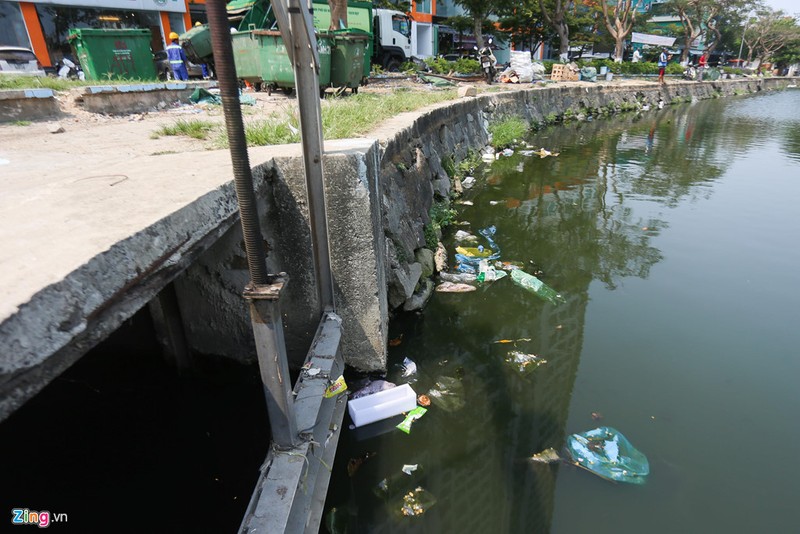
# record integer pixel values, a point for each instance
(177, 6)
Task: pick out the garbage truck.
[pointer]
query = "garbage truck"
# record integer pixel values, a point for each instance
(389, 46)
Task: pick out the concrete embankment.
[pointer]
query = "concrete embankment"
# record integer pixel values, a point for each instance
(81, 254)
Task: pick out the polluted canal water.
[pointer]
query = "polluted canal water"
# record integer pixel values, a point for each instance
(672, 237)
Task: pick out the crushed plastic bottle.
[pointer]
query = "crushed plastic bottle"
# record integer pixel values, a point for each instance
(458, 278)
(534, 285)
(487, 273)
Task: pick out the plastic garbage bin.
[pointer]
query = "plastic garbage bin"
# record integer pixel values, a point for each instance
(197, 44)
(260, 57)
(347, 58)
(113, 54)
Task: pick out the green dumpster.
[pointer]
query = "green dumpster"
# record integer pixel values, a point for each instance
(197, 44)
(260, 58)
(347, 58)
(113, 54)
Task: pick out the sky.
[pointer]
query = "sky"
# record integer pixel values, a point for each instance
(790, 6)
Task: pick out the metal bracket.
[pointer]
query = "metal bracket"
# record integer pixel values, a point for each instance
(271, 291)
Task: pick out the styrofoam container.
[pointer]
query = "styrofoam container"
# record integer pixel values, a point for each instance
(382, 405)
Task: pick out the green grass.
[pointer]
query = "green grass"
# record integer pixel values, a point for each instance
(194, 128)
(21, 123)
(508, 132)
(342, 118)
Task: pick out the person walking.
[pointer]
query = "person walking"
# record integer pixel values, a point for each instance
(663, 58)
(637, 56)
(177, 58)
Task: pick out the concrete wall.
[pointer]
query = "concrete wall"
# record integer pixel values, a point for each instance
(209, 292)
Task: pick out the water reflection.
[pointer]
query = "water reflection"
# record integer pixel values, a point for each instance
(594, 213)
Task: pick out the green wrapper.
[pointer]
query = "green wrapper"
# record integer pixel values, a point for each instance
(412, 416)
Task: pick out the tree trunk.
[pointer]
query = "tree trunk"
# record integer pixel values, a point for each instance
(338, 14)
(619, 50)
(478, 30)
(563, 36)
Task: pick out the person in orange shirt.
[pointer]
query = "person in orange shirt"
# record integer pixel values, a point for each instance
(701, 66)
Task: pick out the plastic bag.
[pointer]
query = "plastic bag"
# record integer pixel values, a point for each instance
(453, 287)
(409, 368)
(608, 454)
(458, 278)
(372, 387)
(447, 393)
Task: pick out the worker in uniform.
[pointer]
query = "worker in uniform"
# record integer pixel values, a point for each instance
(177, 58)
(203, 66)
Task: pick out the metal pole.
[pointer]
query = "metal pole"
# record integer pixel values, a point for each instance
(741, 45)
(298, 35)
(264, 290)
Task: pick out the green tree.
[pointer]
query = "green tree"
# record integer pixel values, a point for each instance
(619, 17)
(479, 11)
(556, 13)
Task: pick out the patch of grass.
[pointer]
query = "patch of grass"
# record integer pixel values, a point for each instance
(21, 123)
(342, 118)
(507, 133)
(194, 128)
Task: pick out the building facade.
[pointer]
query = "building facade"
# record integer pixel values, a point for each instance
(43, 25)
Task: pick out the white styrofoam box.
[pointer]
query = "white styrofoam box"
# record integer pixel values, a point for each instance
(382, 405)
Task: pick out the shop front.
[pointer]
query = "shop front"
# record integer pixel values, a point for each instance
(43, 25)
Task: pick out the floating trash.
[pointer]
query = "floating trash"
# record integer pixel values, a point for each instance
(608, 454)
(458, 278)
(512, 340)
(547, 456)
(409, 468)
(412, 416)
(454, 287)
(447, 393)
(475, 252)
(337, 387)
(355, 463)
(371, 388)
(524, 363)
(461, 235)
(468, 182)
(396, 341)
(534, 285)
(409, 368)
(417, 502)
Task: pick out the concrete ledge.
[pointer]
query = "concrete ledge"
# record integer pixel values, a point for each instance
(28, 104)
(137, 98)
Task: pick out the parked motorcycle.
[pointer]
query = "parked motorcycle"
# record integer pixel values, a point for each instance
(488, 62)
(67, 68)
(690, 73)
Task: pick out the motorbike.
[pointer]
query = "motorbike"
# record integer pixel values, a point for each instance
(66, 68)
(488, 62)
(690, 73)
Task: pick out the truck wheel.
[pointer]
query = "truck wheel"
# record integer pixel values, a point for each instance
(287, 90)
(269, 89)
(392, 65)
(354, 90)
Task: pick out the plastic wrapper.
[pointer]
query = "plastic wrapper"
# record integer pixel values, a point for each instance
(607, 453)
(462, 236)
(524, 363)
(338, 386)
(447, 394)
(475, 252)
(412, 416)
(534, 285)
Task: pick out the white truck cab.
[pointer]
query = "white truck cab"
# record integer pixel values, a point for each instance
(393, 37)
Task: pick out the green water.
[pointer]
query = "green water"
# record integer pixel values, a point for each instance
(674, 238)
